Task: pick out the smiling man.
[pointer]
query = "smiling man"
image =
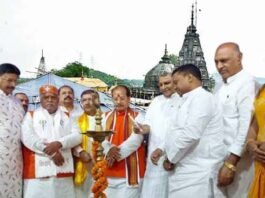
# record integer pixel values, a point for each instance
(194, 143)
(11, 115)
(125, 151)
(156, 123)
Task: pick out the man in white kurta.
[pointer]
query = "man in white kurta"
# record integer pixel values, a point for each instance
(195, 141)
(11, 115)
(236, 96)
(66, 98)
(157, 118)
(48, 136)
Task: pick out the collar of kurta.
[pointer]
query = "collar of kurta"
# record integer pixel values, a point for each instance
(235, 76)
(3, 93)
(191, 93)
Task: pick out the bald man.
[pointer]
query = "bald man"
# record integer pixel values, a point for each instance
(236, 97)
(24, 100)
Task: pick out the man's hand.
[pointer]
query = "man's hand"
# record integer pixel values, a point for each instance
(52, 147)
(225, 176)
(113, 155)
(257, 150)
(85, 157)
(141, 128)
(58, 159)
(155, 156)
(168, 166)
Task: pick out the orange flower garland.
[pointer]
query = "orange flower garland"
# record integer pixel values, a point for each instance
(98, 174)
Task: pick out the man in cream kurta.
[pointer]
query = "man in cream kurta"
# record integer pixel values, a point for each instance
(48, 136)
(194, 144)
(11, 115)
(157, 123)
(124, 150)
(66, 102)
(236, 96)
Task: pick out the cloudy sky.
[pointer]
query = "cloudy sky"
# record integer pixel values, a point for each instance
(125, 38)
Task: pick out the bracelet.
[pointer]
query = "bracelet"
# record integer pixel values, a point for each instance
(230, 166)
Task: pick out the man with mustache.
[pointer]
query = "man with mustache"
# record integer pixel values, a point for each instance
(11, 115)
(24, 100)
(124, 150)
(83, 180)
(157, 123)
(66, 98)
(236, 97)
(48, 135)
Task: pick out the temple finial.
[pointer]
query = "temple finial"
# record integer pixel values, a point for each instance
(192, 15)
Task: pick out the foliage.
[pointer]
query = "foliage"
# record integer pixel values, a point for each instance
(23, 80)
(77, 69)
(211, 84)
(173, 58)
(74, 69)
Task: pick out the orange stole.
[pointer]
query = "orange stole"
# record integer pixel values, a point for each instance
(123, 129)
(29, 162)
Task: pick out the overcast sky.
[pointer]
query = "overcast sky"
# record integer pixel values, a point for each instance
(125, 38)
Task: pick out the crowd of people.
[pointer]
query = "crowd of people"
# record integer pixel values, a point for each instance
(199, 144)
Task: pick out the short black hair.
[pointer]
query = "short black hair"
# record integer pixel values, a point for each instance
(90, 91)
(66, 86)
(9, 68)
(127, 90)
(189, 69)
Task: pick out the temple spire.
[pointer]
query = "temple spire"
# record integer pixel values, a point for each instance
(165, 58)
(42, 66)
(192, 15)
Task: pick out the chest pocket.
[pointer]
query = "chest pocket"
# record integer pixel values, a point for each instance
(230, 106)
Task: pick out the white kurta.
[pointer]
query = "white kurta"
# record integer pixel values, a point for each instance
(236, 97)
(158, 117)
(118, 187)
(195, 145)
(75, 113)
(84, 190)
(11, 115)
(43, 128)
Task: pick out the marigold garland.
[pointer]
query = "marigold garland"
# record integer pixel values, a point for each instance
(98, 174)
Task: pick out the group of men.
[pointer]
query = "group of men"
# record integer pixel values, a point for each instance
(195, 147)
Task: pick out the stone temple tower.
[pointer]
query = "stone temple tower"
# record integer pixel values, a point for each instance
(42, 66)
(191, 51)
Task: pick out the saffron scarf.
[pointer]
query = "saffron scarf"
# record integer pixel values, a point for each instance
(132, 169)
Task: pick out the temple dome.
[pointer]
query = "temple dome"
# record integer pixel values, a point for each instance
(152, 77)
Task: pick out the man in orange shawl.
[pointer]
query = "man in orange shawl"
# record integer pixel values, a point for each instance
(124, 150)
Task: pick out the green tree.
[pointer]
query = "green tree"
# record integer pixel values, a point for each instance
(74, 69)
(173, 58)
